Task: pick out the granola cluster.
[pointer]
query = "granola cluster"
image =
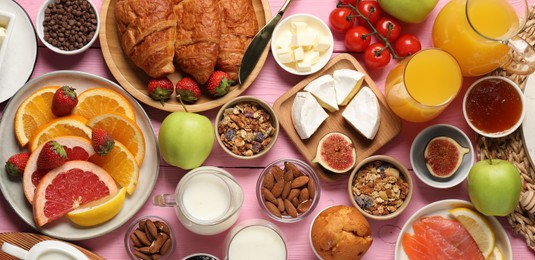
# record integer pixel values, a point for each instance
(379, 188)
(246, 128)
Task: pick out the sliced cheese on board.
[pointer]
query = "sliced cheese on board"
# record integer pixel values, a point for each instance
(307, 114)
(322, 89)
(364, 113)
(347, 84)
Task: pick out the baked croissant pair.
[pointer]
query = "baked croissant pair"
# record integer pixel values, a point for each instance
(197, 35)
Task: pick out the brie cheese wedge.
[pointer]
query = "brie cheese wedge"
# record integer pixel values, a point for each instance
(307, 114)
(364, 113)
(322, 89)
(347, 84)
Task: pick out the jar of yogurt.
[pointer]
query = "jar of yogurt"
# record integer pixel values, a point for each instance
(255, 239)
(207, 200)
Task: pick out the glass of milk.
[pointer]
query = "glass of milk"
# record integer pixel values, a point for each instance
(256, 239)
(207, 200)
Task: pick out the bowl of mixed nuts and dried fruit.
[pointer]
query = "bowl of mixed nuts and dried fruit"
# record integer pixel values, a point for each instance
(288, 190)
(246, 127)
(380, 187)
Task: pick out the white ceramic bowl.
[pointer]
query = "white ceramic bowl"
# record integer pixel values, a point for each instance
(418, 161)
(501, 133)
(39, 28)
(7, 21)
(283, 31)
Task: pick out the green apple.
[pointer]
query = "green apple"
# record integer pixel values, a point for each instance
(494, 187)
(409, 11)
(186, 139)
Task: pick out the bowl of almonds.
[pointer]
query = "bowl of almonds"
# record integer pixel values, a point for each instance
(150, 237)
(288, 190)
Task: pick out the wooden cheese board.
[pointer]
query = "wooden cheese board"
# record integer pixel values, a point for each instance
(134, 80)
(28, 240)
(390, 125)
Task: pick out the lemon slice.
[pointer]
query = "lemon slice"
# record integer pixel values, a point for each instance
(100, 211)
(478, 227)
(496, 254)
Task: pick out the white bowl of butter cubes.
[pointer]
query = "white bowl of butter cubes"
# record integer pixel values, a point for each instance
(302, 44)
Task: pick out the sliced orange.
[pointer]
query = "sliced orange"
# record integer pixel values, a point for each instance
(34, 111)
(65, 188)
(121, 164)
(32, 176)
(97, 101)
(67, 125)
(124, 130)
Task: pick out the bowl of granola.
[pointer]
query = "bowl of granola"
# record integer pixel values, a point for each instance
(380, 187)
(246, 127)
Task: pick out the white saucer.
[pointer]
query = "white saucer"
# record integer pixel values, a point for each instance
(528, 125)
(21, 53)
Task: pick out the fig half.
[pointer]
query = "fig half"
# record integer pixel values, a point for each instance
(443, 156)
(336, 153)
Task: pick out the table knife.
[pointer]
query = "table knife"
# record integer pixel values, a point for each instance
(258, 44)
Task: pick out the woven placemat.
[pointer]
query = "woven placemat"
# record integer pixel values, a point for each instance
(512, 148)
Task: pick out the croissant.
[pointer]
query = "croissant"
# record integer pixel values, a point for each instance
(238, 27)
(147, 32)
(197, 37)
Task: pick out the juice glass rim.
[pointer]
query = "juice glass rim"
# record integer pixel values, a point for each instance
(407, 88)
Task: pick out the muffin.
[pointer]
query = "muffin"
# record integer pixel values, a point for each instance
(340, 232)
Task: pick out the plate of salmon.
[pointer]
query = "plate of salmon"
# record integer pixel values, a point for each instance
(436, 232)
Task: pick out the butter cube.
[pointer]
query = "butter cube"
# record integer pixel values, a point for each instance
(285, 55)
(303, 66)
(2, 34)
(312, 57)
(322, 43)
(298, 27)
(285, 40)
(306, 38)
(299, 54)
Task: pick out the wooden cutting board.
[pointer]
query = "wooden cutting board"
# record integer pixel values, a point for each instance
(28, 240)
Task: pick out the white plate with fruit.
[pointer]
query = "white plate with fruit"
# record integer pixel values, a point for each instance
(28, 123)
(452, 218)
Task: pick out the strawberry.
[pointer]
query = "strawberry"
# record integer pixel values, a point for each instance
(102, 141)
(51, 156)
(64, 101)
(219, 83)
(188, 90)
(160, 89)
(16, 163)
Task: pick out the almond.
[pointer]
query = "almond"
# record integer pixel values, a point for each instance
(268, 181)
(280, 204)
(303, 195)
(288, 175)
(268, 195)
(300, 182)
(286, 190)
(304, 206)
(165, 247)
(277, 188)
(311, 189)
(142, 237)
(151, 229)
(277, 172)
(273, 209)
(293, 193)
(295, 201)
(290, 208)
(289, 166)
(162, 227)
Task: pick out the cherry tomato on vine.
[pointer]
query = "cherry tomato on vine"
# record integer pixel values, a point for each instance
(407, 44)
(350, 2)
(370, 10)
(338, 19)
(377, 55)
(357, 39)
(388, 27)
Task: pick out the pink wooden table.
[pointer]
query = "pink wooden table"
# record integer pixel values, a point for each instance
(270, 84)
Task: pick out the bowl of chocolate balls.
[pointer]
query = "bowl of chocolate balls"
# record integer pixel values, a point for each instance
(68, 26)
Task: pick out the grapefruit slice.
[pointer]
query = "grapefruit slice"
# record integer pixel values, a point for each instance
(69, 186)
(78, 148)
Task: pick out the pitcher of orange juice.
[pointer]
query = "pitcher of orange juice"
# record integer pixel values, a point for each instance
(483, 34)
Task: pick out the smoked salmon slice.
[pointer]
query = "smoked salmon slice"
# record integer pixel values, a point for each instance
(437, 237)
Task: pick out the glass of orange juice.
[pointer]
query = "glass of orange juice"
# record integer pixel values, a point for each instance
(481, 35)
(420, 87)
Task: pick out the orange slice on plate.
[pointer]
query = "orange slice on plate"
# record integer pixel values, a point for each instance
(61, 126)
(124, 130)
(34, 111)
(121, 164)
(78, 148)
(97, 101)
(68, 187)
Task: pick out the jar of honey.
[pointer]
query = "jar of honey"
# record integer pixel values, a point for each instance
(493, 106)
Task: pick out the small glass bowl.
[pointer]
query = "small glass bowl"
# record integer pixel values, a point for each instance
(40, 31)
(200, 256)
(254, 100)
(255, 238)
(314, 183)
(402, 171)
(130, 246)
